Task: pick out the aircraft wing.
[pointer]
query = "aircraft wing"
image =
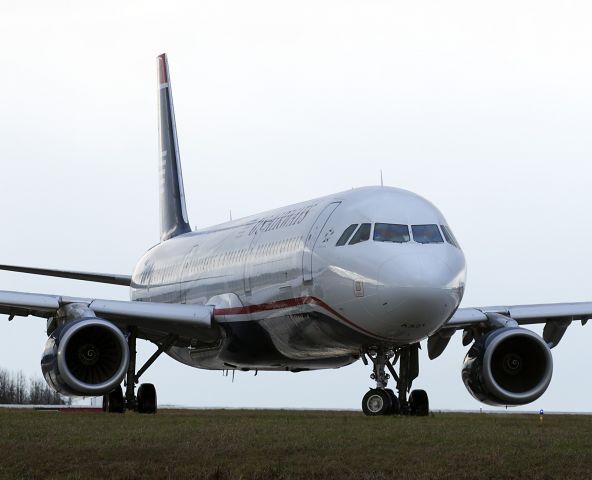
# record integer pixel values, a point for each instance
(556, 317)
(111, 278)
(523, 314)
(153, 320)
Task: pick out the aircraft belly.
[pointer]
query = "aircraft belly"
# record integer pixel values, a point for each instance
(310, 335)
(295, 341)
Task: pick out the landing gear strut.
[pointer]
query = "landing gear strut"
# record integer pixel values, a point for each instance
(130, 379)
(146, 399)
(382, 400)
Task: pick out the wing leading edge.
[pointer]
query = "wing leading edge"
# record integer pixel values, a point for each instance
(556, 317)
(522, 314)
(151, 319)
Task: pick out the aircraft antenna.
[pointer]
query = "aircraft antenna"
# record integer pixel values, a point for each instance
(381, 183)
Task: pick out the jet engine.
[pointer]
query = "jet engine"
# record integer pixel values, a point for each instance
(87, 357)
(508, 366)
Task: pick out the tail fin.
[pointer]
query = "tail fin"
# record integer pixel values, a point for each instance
(173, 212)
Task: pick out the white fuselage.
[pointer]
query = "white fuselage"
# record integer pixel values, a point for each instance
(288, 297)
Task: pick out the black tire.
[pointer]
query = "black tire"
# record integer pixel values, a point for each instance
(146, 398)
(419, 405)
(395, 407)
(114, 401)
(376, 402)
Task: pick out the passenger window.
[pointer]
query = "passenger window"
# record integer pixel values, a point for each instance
(389, 232)
(448, 235)
(361, 235)
(427, 234)
(345, 235)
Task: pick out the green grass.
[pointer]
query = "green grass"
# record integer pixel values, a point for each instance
(244, 444)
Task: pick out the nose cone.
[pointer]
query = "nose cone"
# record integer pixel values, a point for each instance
(440, 268)
(419, 290)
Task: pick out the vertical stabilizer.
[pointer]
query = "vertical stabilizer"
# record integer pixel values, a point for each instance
(173, 212)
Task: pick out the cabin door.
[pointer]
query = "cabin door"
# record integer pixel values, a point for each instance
(312, 238)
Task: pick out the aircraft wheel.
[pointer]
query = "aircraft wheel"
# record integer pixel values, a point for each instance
(395, 407)
(376, 402)
(113, 401)
(146, 398)
(419, 404)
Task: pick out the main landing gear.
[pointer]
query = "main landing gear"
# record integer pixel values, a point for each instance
(384, 401)
(145, 401)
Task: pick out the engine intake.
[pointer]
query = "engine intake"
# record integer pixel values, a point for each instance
(508, 366)
(87, 357)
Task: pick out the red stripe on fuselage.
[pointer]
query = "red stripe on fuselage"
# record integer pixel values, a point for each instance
(291, 302)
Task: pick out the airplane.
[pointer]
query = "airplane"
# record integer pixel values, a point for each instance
(361, 275)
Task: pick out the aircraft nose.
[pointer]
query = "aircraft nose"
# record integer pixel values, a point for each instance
(418, 291)
(423, 270)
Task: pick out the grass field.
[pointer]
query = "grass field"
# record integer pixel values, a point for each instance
(249, 444)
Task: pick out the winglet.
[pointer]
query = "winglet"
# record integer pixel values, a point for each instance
(173, 212)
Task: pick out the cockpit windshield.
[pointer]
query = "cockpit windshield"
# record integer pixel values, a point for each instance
(396, 233)
(389, 232)
(362, 234)
(345, 235)
(426, 234)
(450, 238)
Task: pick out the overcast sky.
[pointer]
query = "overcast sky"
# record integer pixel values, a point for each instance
(484, 108)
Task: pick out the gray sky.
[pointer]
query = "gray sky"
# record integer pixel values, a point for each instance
(483, 108)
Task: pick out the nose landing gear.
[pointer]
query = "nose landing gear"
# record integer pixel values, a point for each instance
(382, 400)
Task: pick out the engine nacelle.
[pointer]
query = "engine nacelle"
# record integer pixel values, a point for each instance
(508, 366)
(87, 357)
